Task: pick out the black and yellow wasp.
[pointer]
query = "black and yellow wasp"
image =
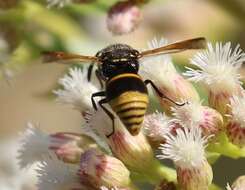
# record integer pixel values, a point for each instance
(125, 91)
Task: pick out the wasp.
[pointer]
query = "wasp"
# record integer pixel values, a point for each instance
(125, 91)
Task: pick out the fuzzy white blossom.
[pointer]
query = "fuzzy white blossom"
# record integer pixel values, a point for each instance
(77, 90)
(186, 148)
(219, 66)
(161, 64)
(157, 125)
(34, 145)
(219, 72)
(54, 174)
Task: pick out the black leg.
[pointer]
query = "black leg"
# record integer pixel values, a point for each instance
(97, 73)
(101, 102)
(97, 94)
(160, 93)
(90, 69)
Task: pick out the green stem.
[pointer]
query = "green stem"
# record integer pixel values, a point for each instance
(226, 148)
(157, 172)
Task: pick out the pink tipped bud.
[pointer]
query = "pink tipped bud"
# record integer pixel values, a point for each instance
(193, 114)
(123, 17)
(196, 178)
(219, 73)
(99, 170)
(187, 149)
(236, 121)
(69, 146)
(155, 126)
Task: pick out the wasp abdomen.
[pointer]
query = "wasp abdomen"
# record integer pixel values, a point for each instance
(129, 100)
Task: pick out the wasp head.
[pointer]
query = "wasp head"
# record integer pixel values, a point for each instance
(117, 59)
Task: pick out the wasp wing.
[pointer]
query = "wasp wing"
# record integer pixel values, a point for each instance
(195, 43)
(58, 56)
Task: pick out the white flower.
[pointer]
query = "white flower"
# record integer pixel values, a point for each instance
(157, 125)
(218, 65)
(186, 149)
(54, 174)
(77, 90)
(157, 67)
(193, 114)
(58, 3)
(34, 146)
(12, 176)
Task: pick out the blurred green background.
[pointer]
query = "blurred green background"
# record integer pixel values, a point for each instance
(30, 27)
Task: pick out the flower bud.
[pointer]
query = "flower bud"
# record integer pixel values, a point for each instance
(186, 149)
(193, 114)
(69, 146)
(219, 73)
(99, 169)
(155, 126)
(236, 121)
(123, 17)
(37, 145)
(167, 79)
(56, 175)
(196, 178)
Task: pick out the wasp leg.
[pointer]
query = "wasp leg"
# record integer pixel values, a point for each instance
(97, 94)
(104, 101)
(97, 73)
(160, 93)
(90, 69)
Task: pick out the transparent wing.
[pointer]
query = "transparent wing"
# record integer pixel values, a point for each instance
(58, 56)
(195, 43)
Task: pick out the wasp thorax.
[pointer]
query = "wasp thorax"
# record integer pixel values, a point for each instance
(117, 59)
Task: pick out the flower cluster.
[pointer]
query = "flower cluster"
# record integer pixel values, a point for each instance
(185, 134)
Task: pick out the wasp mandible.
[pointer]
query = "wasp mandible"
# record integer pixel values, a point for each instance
(125, 91)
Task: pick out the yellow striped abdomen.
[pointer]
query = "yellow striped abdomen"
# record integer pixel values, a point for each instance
(130, 106)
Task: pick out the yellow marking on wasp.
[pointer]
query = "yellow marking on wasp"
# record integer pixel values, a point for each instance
(133, 120)
(124, 75)
(129, 99)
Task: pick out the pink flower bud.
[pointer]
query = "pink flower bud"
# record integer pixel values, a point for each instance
(123, 17)
(98, 169)
(193, 114)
